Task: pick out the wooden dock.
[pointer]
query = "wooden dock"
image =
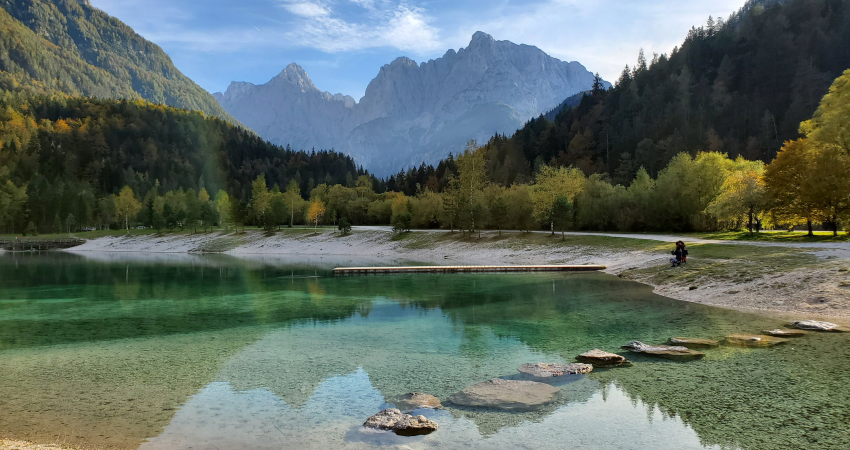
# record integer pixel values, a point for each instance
(35, 245)
(466, 269)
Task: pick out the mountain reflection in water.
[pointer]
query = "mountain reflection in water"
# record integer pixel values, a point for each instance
(112, 352)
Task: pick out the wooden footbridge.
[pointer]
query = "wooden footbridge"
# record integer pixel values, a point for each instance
(35, 245)
(466, 269)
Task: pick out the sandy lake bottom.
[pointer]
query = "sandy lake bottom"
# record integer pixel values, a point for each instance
(217, 352)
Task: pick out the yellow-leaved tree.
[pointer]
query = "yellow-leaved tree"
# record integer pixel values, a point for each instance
(126, 206)
(551, 184)
(742, 195)
(810, 178)
(315, 213)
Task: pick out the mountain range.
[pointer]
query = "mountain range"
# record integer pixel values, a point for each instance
(412, 113)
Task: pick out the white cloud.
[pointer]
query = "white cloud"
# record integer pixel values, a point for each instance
(305, 9)
(396, 26)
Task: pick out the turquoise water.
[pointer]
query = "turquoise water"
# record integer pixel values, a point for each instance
(179, 351)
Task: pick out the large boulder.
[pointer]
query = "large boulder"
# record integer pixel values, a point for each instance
(400, 423)
(693, 342)
(545, 370)
(600, 359)
(664, 351)
(785, 332)
(754, 340)
(509, 395)
(416, 400)
(817, 325)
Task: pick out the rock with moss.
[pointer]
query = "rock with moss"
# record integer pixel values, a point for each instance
(754, 340)
(400, 423)
(547, 370)
(601, 358)
(785, 332)
(693, 342)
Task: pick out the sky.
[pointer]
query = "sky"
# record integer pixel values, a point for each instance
(343, 43)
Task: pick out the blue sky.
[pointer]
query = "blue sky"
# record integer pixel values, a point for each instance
(342, 43)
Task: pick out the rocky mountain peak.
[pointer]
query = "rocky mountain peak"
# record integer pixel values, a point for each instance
(296, 76)
(412, 112)
(481, 38)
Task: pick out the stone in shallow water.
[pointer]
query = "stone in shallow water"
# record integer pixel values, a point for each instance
(599, 358)
(817, 325)
(400, 423)
(754, 340)
(785, 332)
(545, 370)
(693, 342)
(416, 400)
(510, 395)
(664, 351)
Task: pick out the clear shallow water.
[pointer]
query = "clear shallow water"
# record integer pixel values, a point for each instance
(215, 352)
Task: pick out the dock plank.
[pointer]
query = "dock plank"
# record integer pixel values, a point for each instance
(469, 269)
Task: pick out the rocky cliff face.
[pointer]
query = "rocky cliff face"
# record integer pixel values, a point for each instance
(412, 112)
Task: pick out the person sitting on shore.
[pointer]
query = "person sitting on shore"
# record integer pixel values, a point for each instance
(678, 253)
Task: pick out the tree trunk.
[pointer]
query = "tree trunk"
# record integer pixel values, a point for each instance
(750, 223)
(809, 225)
(834, 225)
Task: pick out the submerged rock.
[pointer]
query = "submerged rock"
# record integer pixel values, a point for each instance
(400, 423)
(693, 342)
(544, 370)
(784, 332)
(663, 351)
(511, 395)
(754, 340)
(416, 400)
(817, 325)
(599, 358)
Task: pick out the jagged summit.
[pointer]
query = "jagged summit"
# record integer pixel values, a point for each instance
(412, 112)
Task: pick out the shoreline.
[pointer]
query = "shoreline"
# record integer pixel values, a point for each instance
(801, 279)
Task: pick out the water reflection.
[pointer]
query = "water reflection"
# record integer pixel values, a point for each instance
(108, 351)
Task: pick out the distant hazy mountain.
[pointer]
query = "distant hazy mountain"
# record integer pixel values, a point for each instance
(412, 112)
(71, 47)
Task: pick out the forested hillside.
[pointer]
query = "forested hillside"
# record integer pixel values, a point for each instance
(60, 155)
(70, 47)
(741, 88)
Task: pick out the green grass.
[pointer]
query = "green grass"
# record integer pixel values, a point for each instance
(775, 236)
(519, 240)
(726, 262)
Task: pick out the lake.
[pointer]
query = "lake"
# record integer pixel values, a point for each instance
(179, 351)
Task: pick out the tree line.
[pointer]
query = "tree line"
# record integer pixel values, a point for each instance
(68, 156)
(807, 183)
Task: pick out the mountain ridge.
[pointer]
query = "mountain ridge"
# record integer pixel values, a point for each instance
(71, 47)
(411, 112)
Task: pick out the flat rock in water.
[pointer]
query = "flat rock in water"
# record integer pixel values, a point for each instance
(599, 358)
(511, 395)
(785, 332)
(754, 340)
(817, 325)
(544, 370)
(400, 423)
(693, 342)
(416, 400)
(676, 352)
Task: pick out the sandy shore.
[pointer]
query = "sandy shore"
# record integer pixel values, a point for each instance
(820, 287)
(8, 444)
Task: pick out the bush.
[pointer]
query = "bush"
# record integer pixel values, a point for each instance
(344, 226)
